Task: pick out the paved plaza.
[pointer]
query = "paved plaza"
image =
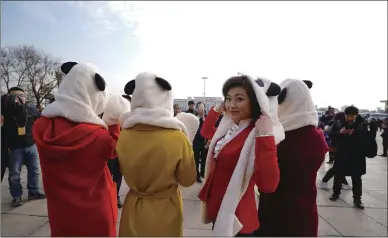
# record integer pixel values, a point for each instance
(335, 218)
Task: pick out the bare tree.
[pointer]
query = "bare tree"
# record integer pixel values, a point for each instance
(35, 71)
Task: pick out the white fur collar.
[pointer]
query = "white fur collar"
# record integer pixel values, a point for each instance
(227, 224)
(298, 109)
(78, 98)
(155, 117)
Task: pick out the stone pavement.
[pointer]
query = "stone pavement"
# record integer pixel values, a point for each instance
(335, 218)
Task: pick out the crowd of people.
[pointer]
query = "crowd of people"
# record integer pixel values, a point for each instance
(264, 136)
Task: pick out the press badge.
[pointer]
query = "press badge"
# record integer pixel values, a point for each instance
(21, 131)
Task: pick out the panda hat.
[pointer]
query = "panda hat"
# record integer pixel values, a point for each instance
(151, 103)
(272, 90)
(191, 122)
(82, 95)
(296, 107)
(117, 106)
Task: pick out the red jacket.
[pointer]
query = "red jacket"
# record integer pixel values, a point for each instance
(208, 129)
(81, 196)
(114, 131)
(292, 209)
(265, 176)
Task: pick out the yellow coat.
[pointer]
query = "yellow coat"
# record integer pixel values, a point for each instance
(154, 161)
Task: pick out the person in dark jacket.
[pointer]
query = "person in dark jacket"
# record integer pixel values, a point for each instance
(332, 152)
(199, 143)
(191, 109)
(350, 135)
(17, 126)
(373, 127)
(4, 149)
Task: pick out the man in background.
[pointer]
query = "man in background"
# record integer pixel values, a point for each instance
(18, 121)
(199, 143)
(349, 134)
(191, 109)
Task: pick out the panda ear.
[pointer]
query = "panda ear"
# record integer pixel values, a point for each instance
(100, 82)
(260, 82)
(66, 67)
(163, 83)
(282, 95)
(129, 87)
(127, 97)
(273, 90)
(308, 83)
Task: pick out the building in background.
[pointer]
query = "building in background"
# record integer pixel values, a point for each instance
(209, 102)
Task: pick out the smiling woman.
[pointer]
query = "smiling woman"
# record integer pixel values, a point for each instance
(242, 153)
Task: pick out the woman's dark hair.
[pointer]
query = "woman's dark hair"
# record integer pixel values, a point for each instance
(196, 105)
(244, 82)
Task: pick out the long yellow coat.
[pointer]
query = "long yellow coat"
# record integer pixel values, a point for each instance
(154, 161)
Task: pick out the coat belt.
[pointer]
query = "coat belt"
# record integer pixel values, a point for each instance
(155, 195)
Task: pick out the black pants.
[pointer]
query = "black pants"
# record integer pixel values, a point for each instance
(200, 160)
(114, 168)
(357, 186)
(331, 156)
(329, 174)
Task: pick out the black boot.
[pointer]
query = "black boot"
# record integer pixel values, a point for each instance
(334, 197)
(357, 203)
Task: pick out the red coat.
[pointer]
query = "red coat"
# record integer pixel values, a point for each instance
(114, 131)
(81, 196)
(292, 209)
(265, 176)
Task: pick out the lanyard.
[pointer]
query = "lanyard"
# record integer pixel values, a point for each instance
(25, 123)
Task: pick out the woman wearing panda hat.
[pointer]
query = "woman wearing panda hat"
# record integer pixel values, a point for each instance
(292, 209)
(155, 156)
(242, 153)
(74, 145)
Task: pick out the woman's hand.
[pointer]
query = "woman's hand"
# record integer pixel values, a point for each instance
(220, 108)
(264, 125)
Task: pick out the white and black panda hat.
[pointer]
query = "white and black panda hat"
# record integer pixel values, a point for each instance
(82, 95)
(272, 90)
(151, 103)
(296, 107)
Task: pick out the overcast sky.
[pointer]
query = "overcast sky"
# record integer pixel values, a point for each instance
(340, 46)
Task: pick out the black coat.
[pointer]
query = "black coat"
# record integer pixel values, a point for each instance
(199, 141)
(350, 158)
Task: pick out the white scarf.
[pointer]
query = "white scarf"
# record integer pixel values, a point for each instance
(155, 117)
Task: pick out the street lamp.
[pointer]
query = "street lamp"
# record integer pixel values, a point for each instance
(204, 90)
